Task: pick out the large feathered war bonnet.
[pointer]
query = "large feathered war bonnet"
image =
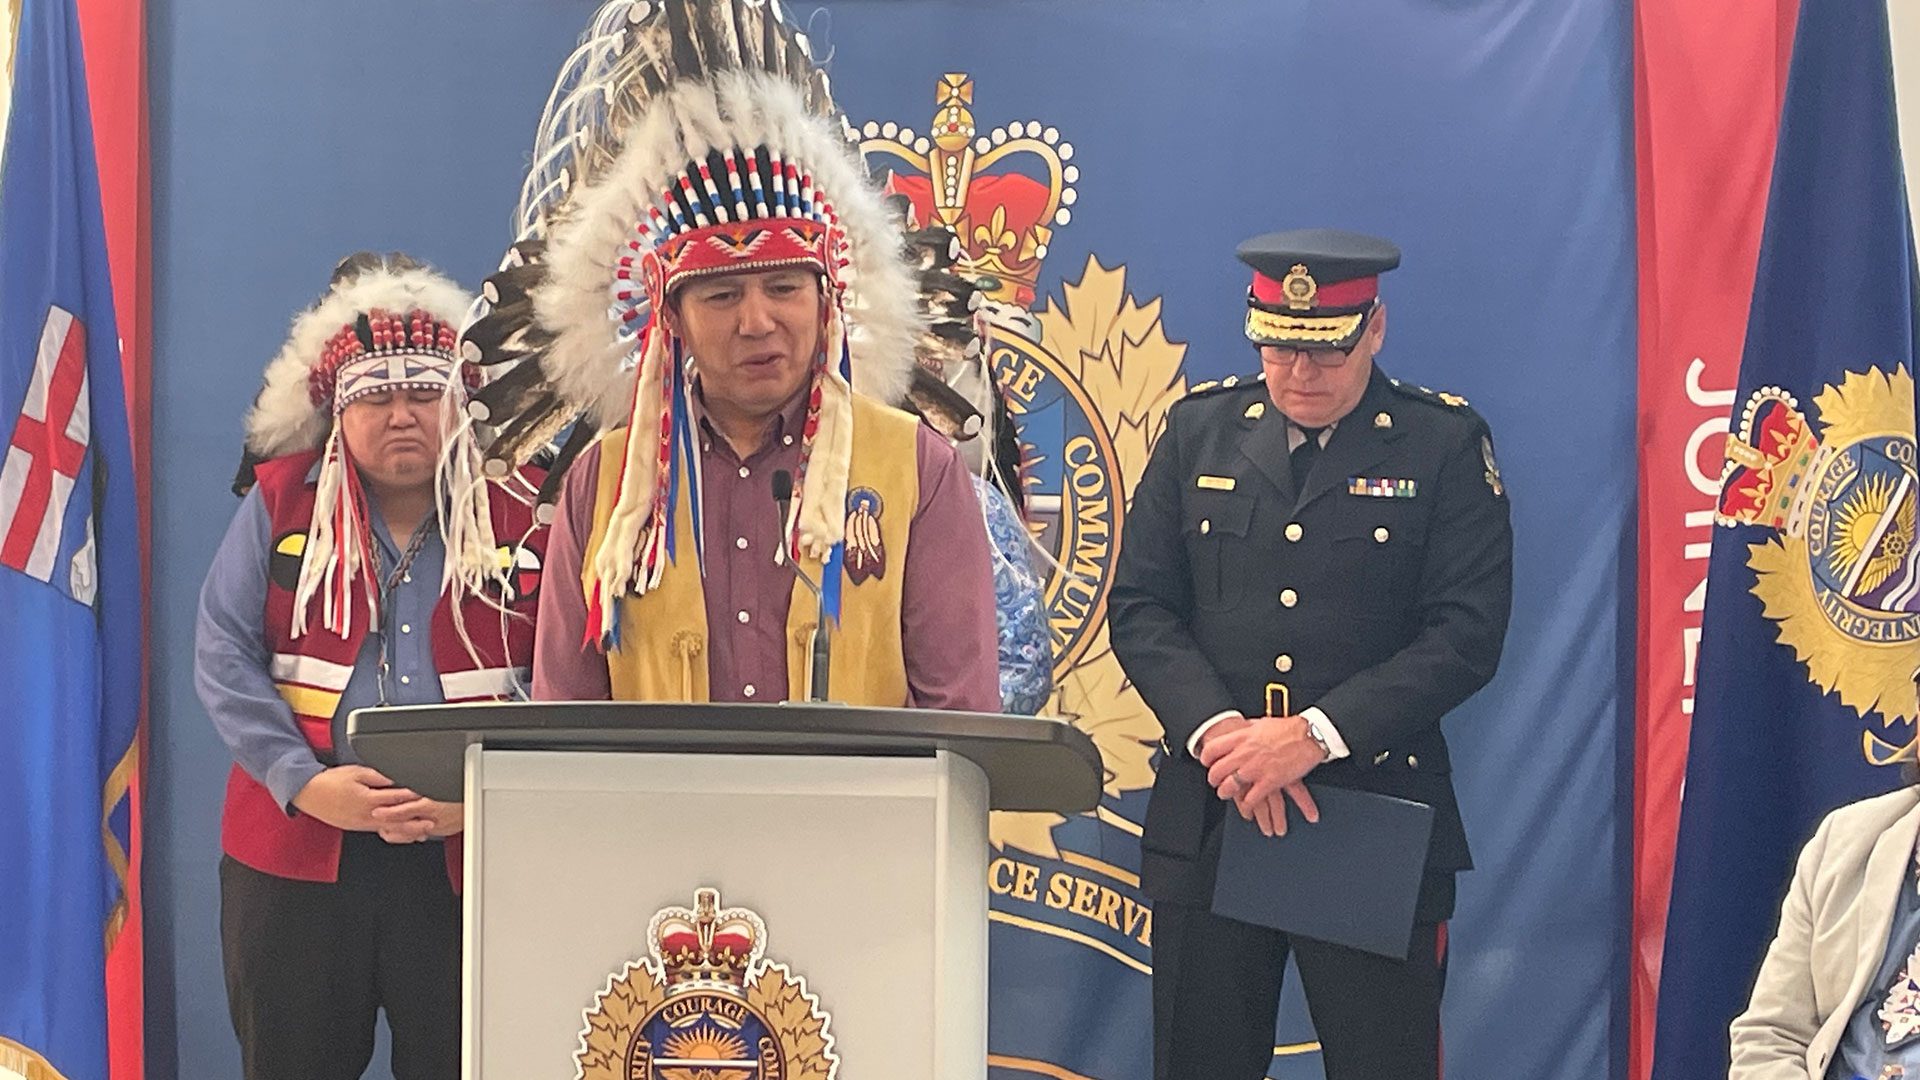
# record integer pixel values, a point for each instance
(685, 139)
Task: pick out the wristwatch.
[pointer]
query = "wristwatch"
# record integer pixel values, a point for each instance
(1313, 732)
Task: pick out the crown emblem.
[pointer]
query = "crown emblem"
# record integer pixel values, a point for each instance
(705, 947)
(1002, 194)
(1300, 288)
(1768, 458)
(705, 1005)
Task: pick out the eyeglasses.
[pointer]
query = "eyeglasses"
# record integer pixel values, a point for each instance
(1281, 356)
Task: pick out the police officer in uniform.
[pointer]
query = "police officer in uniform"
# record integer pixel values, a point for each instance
(1317, 569)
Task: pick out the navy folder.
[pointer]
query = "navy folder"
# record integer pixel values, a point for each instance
(1351, 879)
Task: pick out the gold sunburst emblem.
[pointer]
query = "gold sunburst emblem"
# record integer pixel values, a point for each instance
(1871, 535)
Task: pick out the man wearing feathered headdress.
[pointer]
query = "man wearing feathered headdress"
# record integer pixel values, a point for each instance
(350, 577)
(713, 229)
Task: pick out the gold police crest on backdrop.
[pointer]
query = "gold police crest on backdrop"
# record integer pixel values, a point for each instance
(1839, 574)
(1090, 378)
(706, 1004)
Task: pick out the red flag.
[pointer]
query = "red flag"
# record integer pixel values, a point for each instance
(1709, 79)
(113, 33)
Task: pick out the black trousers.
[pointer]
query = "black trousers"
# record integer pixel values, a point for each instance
(1216, 990)
(310, 964)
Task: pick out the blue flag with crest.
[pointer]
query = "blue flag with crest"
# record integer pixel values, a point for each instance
(1812, 623)
(70, 590)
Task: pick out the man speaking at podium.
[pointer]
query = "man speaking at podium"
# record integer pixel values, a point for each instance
(753, 495)
(1317, 568)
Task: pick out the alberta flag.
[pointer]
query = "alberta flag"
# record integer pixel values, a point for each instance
(70, 592)
(1812, 623)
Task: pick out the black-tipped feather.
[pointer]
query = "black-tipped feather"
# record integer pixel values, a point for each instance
(508, 395)
(529, 429)
(511, 286)
(499, 336)
(528, 252)
(942, 406)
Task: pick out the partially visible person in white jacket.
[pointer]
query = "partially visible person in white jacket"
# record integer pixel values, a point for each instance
(1838, 996)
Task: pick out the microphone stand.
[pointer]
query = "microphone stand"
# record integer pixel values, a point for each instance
(822, 643)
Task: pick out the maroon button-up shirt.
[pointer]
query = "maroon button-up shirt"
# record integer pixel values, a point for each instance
(947, 622)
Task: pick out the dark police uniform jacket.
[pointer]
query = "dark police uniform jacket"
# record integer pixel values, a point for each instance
(1380, 593)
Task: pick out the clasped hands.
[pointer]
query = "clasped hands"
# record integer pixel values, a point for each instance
(1260, 764)
(358, 799)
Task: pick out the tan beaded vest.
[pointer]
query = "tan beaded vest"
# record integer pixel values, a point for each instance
(662, 655)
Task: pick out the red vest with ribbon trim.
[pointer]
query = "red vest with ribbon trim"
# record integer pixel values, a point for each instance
(311, 671)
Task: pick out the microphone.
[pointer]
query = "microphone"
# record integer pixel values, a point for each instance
(822, 646)
(783, 494)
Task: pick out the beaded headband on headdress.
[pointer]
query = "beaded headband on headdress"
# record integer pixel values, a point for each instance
(382, 350)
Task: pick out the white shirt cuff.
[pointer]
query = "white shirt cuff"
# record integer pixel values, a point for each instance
(1317, 722)
(1193, 741)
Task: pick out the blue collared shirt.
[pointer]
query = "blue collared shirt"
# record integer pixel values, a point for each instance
(1863, 1050)
(1026, 644)
(231, 655)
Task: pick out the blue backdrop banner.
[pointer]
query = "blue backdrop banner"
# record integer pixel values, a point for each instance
(1120, 149)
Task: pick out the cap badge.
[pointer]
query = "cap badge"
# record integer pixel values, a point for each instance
(1300, 288)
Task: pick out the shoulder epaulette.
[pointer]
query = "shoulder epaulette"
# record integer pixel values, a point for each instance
(1421, 393)
(1231, 382)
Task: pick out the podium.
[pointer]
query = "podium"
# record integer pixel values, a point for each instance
(745, 892)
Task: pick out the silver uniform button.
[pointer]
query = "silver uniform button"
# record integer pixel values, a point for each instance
(1412, 762)
(406, 680)
(1206, 526)
(740, 542)
(406, 628)
(1381, 757)
(748, 690)
(1288, 598)
(1295, 532)
(743, 616)
(1380, 535)
(1283, 663)
(745, 472)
